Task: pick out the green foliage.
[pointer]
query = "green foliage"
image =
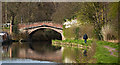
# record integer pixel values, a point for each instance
(77, 33)
(98, 14)
(89, 42)
(113, 10)
(114, 45)
(6, 27)
(69, 33)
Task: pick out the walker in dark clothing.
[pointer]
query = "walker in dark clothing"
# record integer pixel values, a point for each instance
(85, 37)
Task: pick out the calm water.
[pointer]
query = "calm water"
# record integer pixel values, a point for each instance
(43, 52)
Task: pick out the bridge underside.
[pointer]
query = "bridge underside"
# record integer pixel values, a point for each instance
(44, 34)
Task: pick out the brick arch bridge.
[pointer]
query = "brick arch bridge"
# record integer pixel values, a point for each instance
(31, 27)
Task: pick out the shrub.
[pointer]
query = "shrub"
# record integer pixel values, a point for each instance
(77, 32)
(108, 32)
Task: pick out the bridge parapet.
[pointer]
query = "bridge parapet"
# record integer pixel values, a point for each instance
(38, 24)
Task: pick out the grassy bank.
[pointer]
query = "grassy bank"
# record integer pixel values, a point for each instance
(72, 43)
(102, 54)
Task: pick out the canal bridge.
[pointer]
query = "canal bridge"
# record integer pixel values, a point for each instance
(32, 27)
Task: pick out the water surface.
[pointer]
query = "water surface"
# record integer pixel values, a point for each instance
(43, 52)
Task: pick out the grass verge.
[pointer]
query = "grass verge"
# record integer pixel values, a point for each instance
(74, 41)
(103, 55)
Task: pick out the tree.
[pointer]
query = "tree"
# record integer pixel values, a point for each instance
(28, 11)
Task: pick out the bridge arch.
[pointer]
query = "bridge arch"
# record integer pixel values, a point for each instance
(32, 31)
(32, 27)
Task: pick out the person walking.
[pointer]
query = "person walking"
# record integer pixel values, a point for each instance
(85, 37)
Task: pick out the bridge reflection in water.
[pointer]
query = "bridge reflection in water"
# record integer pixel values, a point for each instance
(44, 51)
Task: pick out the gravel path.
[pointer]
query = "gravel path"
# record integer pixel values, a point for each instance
(111, 50)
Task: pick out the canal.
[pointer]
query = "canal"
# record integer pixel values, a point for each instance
(43, 52)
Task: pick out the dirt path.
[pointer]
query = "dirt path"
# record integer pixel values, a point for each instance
(111, 50)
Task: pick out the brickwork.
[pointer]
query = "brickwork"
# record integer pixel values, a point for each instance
(38, 24)
(23, 26)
